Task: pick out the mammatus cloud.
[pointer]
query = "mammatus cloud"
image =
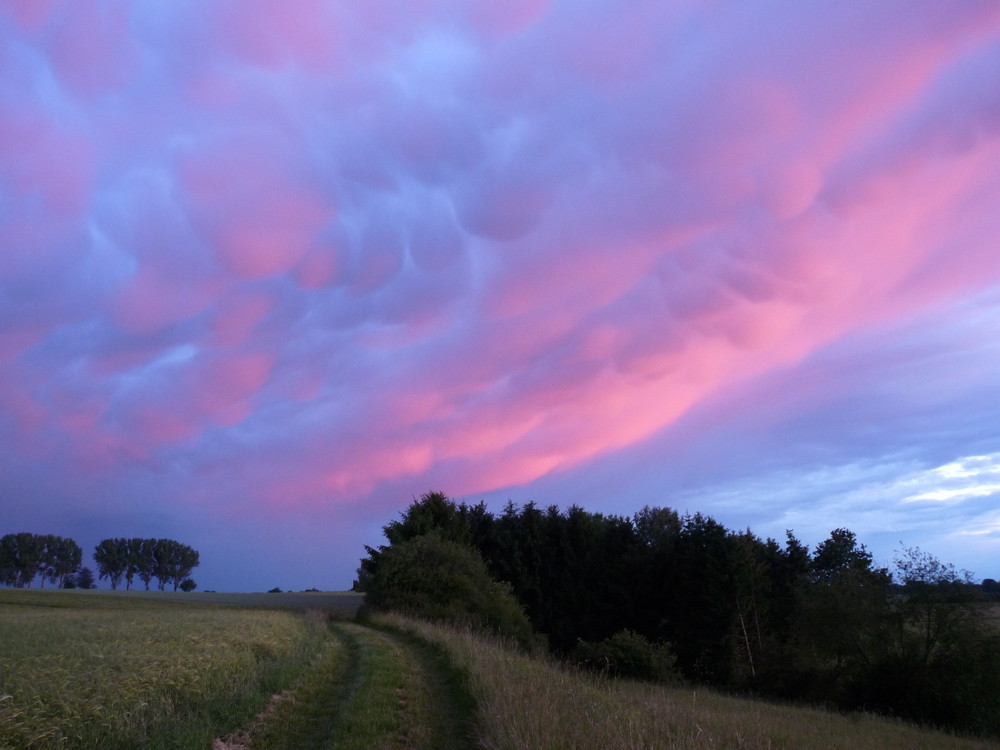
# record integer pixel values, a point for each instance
(316, 256)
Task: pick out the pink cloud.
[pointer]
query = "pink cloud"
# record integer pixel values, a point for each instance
(259, 217)
(50, 167)
(149, 301)
(342, 252)
(435, 242)
(317, 268)
(21, 407)
(199, 391)
(380, 255)
(505, 18)
(504, 211)
(237, 316)
(235, 375)
(154, 424)
(29, 13)
(271, 34)
(92, 49)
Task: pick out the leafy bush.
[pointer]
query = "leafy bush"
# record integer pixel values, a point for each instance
(440, 580)
(629, 654)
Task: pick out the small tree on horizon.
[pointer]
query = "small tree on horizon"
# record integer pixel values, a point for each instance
(85, 579)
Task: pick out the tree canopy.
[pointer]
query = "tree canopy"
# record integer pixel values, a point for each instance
(25, 557)
(722, 607)
(440, 579)
(169, 561)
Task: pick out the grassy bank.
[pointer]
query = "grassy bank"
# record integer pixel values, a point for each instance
(139, 671)
(529, 703)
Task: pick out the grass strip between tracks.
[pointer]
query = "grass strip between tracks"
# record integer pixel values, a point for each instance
(367, 688)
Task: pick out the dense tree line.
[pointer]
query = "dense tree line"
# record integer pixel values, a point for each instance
(166, 560)
(25, 557)
(826, 626)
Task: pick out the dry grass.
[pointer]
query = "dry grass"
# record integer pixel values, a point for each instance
(112, 672)
(527, 703)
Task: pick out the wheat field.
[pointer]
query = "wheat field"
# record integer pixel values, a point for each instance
(123, 672)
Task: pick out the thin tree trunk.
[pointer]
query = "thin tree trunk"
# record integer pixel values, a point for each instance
(746, 638)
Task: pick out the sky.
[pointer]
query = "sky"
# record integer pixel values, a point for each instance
(271, 270)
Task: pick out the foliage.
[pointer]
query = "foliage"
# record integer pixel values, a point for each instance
(188, 584)
(841, 558)
(628, 654)
(936, 658)
(85, 579)
(24, 557)
(738, 612)
(524, 702)
(166, 560)
(111, 556)
(438, 579)
(174, 562)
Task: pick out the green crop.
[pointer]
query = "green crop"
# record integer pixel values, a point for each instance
(84, 671)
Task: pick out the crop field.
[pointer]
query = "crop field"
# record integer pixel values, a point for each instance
(339, 602)
(89, 671)
(84, 670)
(95, 669)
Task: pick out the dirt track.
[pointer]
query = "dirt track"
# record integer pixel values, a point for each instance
(368, 688)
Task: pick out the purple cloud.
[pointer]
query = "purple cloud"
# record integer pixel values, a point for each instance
(277, 268)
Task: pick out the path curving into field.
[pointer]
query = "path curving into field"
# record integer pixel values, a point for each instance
(367, 688)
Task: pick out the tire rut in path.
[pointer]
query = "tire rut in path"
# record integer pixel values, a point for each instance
(369, 688)
(405, 695)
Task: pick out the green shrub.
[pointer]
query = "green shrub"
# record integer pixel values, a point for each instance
(629, 654)
(445, 581)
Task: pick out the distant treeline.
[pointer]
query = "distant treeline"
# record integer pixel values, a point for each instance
(163, 559)
(24, 557)
(658, 594)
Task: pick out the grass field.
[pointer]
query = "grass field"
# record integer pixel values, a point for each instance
(341, 602)
(79, 670)
(85, 670)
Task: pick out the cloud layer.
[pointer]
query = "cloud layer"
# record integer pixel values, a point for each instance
(266, 261)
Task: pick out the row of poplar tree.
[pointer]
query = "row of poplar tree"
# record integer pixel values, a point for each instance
(167, 561)
(25, 557)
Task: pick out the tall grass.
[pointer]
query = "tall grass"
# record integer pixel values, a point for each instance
(523, 702)
(112, 672)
